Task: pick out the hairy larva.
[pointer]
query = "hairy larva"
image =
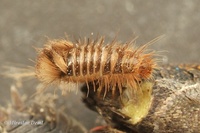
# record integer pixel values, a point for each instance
(87, 60)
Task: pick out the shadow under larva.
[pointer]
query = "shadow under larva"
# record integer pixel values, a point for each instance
(112, 65)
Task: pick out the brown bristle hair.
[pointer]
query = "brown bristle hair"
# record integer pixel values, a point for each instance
(111, 65)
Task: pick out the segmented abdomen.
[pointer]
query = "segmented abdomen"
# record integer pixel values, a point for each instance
(86, 61)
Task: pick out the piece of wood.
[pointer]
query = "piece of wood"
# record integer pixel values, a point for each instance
(174, 105)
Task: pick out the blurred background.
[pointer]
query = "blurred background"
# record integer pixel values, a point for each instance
(27, 24)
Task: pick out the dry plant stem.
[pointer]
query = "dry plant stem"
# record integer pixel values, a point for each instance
(174, 104)
(38, 115)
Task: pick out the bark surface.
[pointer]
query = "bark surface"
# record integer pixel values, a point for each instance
(175, 103)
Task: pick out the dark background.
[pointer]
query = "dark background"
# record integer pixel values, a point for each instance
(27, 24)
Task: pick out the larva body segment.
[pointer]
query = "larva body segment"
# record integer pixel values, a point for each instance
(111, 65)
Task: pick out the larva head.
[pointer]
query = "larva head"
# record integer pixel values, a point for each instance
(50, 64)
(147, 65)
(144, 63)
